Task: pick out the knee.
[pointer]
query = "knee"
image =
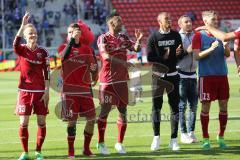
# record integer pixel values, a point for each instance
(157, 102)
(206, 107)
(182, 107)
(24, 124)
(91, 121)
(71, 130)
(24, 121)
(105, 109)
(174, 110)
(41, 123)
(223, 105)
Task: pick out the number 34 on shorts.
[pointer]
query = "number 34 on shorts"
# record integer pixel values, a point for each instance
(108, 99)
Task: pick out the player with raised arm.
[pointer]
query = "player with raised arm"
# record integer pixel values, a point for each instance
(227, 37)
(113, 47)
(78, 71)
(33, 94)
(213, 81)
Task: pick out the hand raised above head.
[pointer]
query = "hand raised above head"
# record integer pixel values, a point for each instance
(25, 18)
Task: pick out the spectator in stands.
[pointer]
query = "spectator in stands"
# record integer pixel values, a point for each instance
(103, 14)
(1, 55)
(9, 26)
(17, 16)
(73, 10)
(67, 14)
(57, 18)
(88, 6)
(192, 15)
(51, 19)
(23, 5)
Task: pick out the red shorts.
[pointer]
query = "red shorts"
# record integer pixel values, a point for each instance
(77, 105)
(213, 88)
(114, 94)
(28, 101)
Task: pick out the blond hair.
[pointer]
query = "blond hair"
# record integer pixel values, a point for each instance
(208, 14)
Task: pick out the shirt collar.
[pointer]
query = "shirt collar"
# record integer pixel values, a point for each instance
(163, 32)
(182, 32)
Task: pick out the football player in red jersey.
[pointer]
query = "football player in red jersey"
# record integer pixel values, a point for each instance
(113, 89)
(227, 37)
(33, 94)
(79, 73)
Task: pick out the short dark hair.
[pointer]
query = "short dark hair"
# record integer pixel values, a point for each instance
(75, 25)
(110, 16)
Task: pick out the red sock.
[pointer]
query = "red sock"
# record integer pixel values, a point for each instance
(87, 140)
(71, 131)
(204, 116)
(23, 134)
(223, 117)
(40, 137)
(121, 130)
(71, 140)
(102, 124)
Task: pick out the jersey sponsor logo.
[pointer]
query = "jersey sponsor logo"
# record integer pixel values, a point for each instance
(32, 61)
(75, 53)
(166, 43)
(77, 61)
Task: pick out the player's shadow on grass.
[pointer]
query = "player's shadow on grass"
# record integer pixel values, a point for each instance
(185, 152)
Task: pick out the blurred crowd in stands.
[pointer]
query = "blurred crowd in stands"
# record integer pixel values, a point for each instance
(49, 17)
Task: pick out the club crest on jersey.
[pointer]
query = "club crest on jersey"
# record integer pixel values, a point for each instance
(75, 53)
(39, 55)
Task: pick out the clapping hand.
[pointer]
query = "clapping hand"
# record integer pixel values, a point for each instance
(138, 34)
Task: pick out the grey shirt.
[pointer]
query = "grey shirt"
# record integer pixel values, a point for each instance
(188, 63)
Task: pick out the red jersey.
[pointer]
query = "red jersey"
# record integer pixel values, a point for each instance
(76, 69)
(237, 40)
(34, 67)
(237, 33)
(117, 47)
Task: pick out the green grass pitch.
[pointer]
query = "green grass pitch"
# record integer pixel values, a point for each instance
(138, 136)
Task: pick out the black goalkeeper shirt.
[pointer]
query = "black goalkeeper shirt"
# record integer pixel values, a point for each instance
(161, 49)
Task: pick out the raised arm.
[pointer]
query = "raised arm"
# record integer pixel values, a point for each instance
(74, 38)
(139, 36)
(16, 43)
(237, 54)
(106, 55)
(196, 44)
(93, 68)
(223, 36)
(64, 52)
